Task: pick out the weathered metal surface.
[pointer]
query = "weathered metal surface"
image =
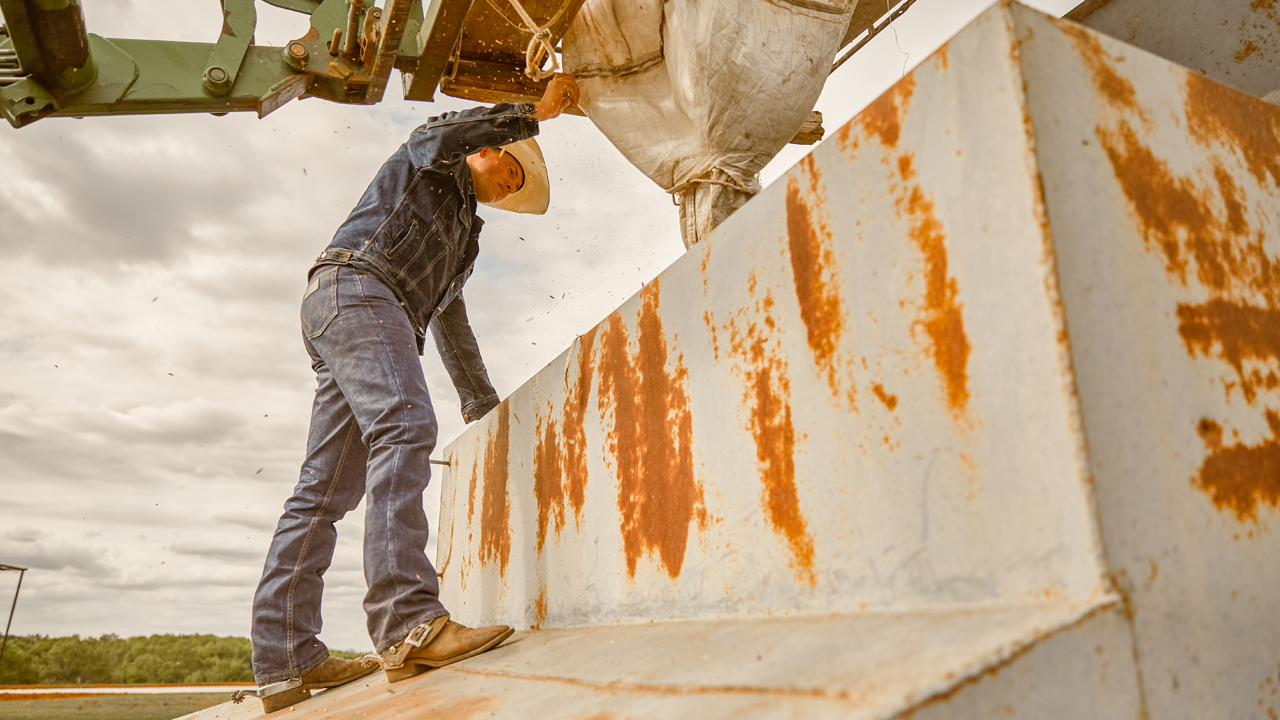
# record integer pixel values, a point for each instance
(857, 395)
(1231, 41)
(852, 438)
(1165, 209)
(855, 667)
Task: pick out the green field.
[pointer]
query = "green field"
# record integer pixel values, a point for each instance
(111, 707)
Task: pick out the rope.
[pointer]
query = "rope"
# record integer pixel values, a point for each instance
(682, 187)
(541, 42)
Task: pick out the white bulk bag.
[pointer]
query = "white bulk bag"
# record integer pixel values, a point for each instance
(701, 94)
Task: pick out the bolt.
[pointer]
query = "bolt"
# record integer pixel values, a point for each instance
(298, 51)
(217, 81)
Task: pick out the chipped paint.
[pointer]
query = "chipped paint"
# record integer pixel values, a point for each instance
(651, 440)
(495, 515)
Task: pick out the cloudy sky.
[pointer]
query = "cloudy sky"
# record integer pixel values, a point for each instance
(154, 391)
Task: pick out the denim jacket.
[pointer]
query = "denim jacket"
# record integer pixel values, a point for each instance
(416, 230)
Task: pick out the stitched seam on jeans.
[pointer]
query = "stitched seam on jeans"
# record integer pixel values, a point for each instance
(306, 544)
(394, 474)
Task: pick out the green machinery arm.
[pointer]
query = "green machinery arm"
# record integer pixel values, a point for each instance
(50, 65)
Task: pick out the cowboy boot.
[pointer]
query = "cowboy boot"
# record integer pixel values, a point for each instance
(330, 673)
(438, 643)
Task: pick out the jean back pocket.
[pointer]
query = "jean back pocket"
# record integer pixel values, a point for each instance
(320, 303)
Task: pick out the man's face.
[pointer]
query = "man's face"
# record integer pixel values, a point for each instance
(494, 174)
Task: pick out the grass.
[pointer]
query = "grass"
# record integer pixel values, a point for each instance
(112, 707)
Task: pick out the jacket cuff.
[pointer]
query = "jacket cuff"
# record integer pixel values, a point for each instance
(477, 409)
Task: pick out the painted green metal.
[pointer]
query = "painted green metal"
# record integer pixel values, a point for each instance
(239, 20)
(67, 72)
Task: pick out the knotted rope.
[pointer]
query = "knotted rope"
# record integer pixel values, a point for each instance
(541, 42)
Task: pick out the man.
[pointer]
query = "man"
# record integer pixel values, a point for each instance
(395, 268)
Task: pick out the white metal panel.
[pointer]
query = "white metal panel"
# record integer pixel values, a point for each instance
(855, 395)
(1231, 41)
(1163, 196)
(854, 667)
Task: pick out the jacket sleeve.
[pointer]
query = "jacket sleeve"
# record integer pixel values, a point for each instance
(461, 356)
(454, 135)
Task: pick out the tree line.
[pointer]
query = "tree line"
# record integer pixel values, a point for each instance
(42, 660)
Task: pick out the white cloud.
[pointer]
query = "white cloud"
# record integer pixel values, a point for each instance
(154, 393)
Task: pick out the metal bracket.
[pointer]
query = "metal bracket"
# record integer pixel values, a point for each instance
(282, 92)
(238, 23)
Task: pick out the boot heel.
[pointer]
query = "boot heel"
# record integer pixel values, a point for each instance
(280, 701)
(404, 672)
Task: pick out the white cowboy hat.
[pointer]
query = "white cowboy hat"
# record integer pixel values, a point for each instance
(535, 195)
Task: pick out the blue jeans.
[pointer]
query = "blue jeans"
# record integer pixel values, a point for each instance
(372, 431)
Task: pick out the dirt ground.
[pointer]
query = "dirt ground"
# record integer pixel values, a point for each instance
(86, 706)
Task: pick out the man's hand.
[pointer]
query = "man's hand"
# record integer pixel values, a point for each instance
(561, 91)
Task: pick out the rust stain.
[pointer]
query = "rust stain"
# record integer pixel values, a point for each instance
(495, 515)
(941, 315)
(1240, 123)
(548, 490)
(575, 436)
(651, 440)
(767, 394)
(906, 165)
(813, 268)
(540, 608)
(940, 59)
(1114, 88)
(1241, 477)
(883, 117)
(890, 401)
(1167, 206)
(1239, 333)
(560, 458)
(471, 495)
(1257, 5)
(1246, 51)
(1201, 231)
